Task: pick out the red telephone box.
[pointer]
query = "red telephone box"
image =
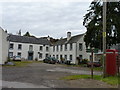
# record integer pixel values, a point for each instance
(111, 66)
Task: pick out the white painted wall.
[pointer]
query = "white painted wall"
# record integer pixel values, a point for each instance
(63, 52)
(84, 54)
(25, 49)
(0, 46)
(3, 46)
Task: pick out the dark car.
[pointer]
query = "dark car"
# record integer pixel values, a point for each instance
(50, 60)
(95, 64)
(68, 62)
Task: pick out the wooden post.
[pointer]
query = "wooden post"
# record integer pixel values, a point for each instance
(92, 63)
(104, 37)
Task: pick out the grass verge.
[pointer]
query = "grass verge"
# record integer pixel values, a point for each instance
(21, 63)
(98, 68)
(112, 80)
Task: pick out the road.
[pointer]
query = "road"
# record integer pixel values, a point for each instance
(42, 75)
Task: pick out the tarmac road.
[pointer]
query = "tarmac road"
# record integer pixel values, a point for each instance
(42, 75)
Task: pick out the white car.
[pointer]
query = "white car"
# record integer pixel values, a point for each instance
(17, 58)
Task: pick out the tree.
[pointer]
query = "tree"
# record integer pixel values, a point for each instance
(27, 34)
(93, 23)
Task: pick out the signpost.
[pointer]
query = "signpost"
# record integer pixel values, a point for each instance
(92, 63)
(92, 52)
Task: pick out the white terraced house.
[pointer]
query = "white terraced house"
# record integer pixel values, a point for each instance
(32, 48)
(29, 48)
(70, 48)
(3, 46)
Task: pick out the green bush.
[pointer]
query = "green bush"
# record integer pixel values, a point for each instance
(84, 61)
(9, 59)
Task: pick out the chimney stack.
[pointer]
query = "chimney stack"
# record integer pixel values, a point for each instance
(48, 37)
(68, 35)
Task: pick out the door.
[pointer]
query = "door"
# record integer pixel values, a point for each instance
(30, 55)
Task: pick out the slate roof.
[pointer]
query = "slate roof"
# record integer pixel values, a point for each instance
(73, 39)
(26, 39)
(61, 41)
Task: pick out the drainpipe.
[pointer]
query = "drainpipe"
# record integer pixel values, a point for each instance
(76, 53)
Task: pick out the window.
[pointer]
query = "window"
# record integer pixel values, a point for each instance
(71, 46)
(80, 57)
(40, 55)
(30, 47)
(61, 47)
(53, 48)
(65, 57)
(41, 48)
(80, 46)
(10, 54)
(19, 46)
(57, 56)
(57, 48)
(71, 57)
(61, 58)
(47, 49)
(19, 54)
(46, 55)
(11, 46)
(65, 47)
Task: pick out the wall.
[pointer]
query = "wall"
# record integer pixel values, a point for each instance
(3, 46)
(63, 52)
(0, 46)
(84, 54)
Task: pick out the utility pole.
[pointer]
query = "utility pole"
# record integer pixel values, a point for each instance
(104, 37)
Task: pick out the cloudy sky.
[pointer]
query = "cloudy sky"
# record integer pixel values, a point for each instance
(43, 18)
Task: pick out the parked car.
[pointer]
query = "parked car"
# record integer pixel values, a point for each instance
(95, 64)
(68, 62)
(50, 60)
(16, 58)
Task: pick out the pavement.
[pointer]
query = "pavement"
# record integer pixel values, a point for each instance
(42, 75)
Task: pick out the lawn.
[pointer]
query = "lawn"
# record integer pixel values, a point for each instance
(112, 80)
(84, 65)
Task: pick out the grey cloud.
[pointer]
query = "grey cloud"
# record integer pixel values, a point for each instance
(44, 18)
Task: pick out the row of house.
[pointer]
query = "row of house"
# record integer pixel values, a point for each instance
(31, 48)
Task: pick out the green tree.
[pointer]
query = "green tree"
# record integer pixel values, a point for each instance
(27, 34)
(93, 23)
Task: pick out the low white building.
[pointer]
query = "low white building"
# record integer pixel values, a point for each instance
(3, 46)
(32, 48)
(29, 48)
(70, 48)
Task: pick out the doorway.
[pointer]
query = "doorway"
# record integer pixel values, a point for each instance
(30, 55)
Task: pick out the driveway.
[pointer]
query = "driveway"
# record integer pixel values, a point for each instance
(42, 75)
